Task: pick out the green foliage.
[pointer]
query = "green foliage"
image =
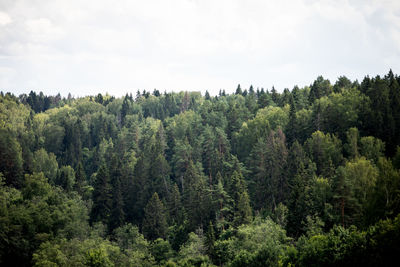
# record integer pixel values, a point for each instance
(326, 151)
(46, 163)
(202, 176)
(154, 223)
(10, 158)
(355, 183)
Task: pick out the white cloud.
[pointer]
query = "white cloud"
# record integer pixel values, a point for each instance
(191, 44)
(4, 19)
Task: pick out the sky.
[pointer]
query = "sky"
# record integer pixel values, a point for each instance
(84, 47)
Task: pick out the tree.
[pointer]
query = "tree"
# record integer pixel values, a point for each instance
(351, 147)
(238, 90)
(354, 186)
(46, 163)
(341, 84)
(154, 223)
(196, 197)
(66, 178)
(325, 150)
(372, 148)
(222, 202)
(117, 217)
(80, 179)
(10, 158)
(210, 240)
(292, 127)
(242, 213)
(269, 158)
(300, 174)
(101, 196)
(319, 88)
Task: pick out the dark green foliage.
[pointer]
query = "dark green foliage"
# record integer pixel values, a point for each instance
(319, 88)
(80, 179)
(10, 159)
(102, 201)
(209, 180)
(154, 223)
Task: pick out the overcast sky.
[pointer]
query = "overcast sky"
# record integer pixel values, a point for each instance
(86, 47)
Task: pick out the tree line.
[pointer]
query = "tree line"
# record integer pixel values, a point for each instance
(306, 177)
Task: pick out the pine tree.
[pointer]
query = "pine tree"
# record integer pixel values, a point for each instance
(176, 210)
(242, 211)
(210, 240)
(292, 127)
(222, 203)
(101, 196)
(80, 178)
(196, 195)
(209, 153)
(269, 158)
(394, 95)
(124, 109)
(207, 95)
(154, 223)
(117, 217)
(300, 171)
(238, 90)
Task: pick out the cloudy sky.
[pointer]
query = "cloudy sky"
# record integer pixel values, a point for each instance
(86, 47)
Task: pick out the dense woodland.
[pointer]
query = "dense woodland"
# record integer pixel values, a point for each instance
(306, 177)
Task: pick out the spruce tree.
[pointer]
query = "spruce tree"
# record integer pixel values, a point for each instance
(101, 196)
(117, 217)
(154, 223)
(292, 127)
(80, 178)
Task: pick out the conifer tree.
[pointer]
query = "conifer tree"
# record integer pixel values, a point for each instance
(80, 178)
(222, 203)
(239, 90)
(210, 240)
(176, 210)
(154, 223)
(292, 127)
(117, 217)
(101, 196)
(242, 211)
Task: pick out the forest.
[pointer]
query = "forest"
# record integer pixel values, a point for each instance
(255, 177)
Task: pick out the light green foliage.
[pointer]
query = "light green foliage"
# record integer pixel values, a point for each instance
(259, 243)
(342, 111)
(194, 250)
(332, 249)
(386, 199)
(13, 115)
(35, 215)
(89, 252)
(46, 163)
(372, 148)
(276, 116)
(326, 151)
(354, 188)
(161, 250)
(163, 165)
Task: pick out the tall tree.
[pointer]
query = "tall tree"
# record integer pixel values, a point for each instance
(269, 158)
(10, 158)
(292, 127)
(154, 223)
(80, 178)
(101, 196)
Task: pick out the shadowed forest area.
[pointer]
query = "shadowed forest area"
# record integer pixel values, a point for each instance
(306, 177)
